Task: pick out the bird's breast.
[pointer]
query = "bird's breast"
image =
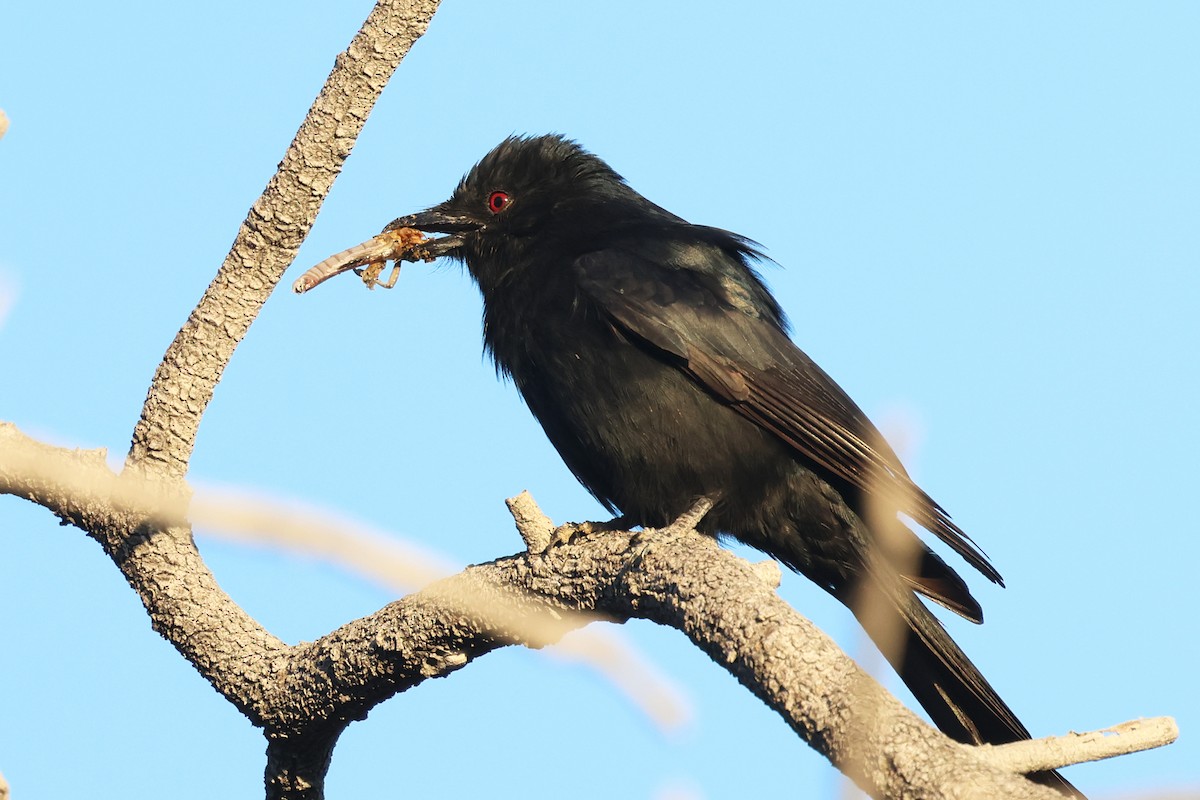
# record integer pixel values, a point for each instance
(637, 432)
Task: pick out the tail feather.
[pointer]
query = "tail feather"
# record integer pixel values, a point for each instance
(950, 688)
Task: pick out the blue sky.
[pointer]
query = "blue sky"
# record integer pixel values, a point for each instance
(987, 225)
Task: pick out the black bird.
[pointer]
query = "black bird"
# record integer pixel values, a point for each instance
(660, 367)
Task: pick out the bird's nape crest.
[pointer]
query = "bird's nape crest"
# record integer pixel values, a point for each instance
(548, 158)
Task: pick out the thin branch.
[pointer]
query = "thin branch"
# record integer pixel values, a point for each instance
(270, 236)
(1053, 752)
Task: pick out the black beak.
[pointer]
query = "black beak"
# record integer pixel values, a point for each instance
(435, 220)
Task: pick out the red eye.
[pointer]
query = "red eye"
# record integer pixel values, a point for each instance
(497, 202)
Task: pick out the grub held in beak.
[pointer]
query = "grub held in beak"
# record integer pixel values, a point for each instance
(402, 240)
(437, 221)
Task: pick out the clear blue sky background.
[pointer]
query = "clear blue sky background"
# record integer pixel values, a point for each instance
(987, 219)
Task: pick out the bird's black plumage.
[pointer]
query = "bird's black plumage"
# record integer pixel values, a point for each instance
(660, 367)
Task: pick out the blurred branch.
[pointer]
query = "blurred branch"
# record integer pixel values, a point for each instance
(342, 675)
(141, 525)
(399, 566)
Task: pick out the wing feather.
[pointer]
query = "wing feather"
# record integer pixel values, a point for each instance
(741, 353)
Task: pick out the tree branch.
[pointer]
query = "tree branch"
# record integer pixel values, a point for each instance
(270, 236)
(304, 696)
(140, 524)
(1053, 752)
(184, 382)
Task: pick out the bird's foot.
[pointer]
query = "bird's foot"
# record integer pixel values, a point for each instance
(688, 520)
(683, 525)
(621, 523)
(569, 532)
(540, 534)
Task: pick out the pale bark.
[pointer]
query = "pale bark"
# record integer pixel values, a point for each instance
(304, 696)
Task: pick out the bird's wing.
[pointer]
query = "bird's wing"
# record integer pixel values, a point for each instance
(706, 321)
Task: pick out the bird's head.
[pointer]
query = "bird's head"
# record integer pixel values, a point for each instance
(542, 194)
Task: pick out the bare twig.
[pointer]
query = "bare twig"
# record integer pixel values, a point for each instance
(160, 561)
(535, 528)
(1039, 755)
(140, 524)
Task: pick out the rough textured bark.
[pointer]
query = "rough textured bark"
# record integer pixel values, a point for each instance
(270, 236)
(304, 696)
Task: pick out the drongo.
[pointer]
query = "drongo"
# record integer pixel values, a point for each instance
(660, 367)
